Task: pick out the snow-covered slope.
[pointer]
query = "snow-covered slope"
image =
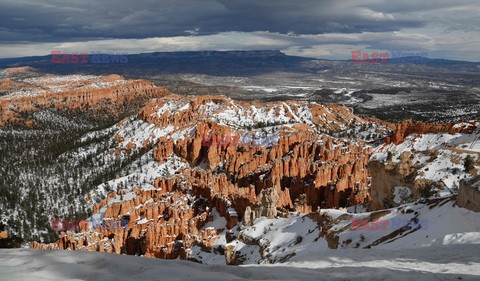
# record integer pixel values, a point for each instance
(441, 242)
(450, 262)
(423, 165)
(438, 156)
(300, 239)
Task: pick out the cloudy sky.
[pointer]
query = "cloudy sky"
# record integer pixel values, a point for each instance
(328, 29)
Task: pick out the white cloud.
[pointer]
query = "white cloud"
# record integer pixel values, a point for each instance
(438, 43)
(319, 28)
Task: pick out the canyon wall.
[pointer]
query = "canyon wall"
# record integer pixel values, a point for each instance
(408, 127)
(95, 97)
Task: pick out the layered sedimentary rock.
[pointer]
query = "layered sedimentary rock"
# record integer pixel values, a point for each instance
(97, 97)
(409, 127)
(303, 171)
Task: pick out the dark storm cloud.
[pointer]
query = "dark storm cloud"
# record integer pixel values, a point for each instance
(57, 21)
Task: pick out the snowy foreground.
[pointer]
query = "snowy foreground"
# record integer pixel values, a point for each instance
(449, 262)
(446, 247)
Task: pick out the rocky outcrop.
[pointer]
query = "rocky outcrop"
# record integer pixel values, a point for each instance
(409, 127)
(388, 175)
(97, 97)
(268, 208)
(249, 216)
(325, 223)
(231, 257)
(469, 194)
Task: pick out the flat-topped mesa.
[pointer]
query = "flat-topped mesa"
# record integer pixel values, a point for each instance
(95, 96)
(408, 127)
(21, 69)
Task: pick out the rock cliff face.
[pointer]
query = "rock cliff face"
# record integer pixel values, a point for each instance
(409, 127)
(469, 194)
(96, 97)
(386, 176)
(168, 217)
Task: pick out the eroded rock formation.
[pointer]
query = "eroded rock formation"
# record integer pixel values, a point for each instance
(422, 157)
(305, 171)
(388, 175)
(97, 97)
(469, 194)
(409, 127)
(268, 208)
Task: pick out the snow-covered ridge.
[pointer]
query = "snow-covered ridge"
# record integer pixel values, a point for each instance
(140, 133)
(434, 235)
(267, 117)
(35, 86)
(239, 114)
(427, 142)
(177, 117)
(297, 242)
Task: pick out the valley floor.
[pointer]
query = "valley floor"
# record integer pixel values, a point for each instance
(447, 262)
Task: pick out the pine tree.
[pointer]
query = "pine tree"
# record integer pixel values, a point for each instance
(468, 164)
